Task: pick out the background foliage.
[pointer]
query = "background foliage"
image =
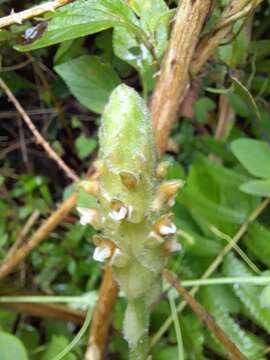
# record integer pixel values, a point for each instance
(64, 84)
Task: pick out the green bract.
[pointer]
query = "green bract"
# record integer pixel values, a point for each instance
(137, 231)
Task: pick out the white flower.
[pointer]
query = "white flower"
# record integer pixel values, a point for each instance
(167, 229)
(119, 214)
(87, 216)
(102, 253)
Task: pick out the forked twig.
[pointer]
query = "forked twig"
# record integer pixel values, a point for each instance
(205, 317)
(18, 18)
(39, 139)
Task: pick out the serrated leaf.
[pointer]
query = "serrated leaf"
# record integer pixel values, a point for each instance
(11, 347)
(85, 146)
(81, 18)
(248, 294)
(254, 155)
(257, 187)
(89, 80)
(248, 344)
(257, 240)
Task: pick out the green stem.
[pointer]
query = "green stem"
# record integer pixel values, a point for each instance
(136, 329)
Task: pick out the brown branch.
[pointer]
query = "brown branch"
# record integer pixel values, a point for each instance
(212, 40)
(205, 317)
(48, 311)
(39, 139)
(48, 226)
(18, 18)
(102, 317)
(174, 75)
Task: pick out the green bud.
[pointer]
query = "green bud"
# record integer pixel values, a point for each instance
(127, 152)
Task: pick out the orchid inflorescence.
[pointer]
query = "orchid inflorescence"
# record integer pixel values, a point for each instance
(132, 210)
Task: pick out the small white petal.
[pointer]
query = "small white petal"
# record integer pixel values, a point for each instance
(119, 214)
(101, 253)
(87, 215)
(175, 246)
(167, 229)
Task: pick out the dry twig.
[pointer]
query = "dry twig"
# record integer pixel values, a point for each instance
(48, 311)
(205, 317)
(102, 317)
(39, 139)
(174, 75)
(18, 18)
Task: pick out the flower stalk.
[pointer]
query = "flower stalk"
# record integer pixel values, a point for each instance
(133, 211)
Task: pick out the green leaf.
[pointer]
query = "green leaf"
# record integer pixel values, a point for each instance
(257, 240)
(211, 193)
(257, 187)
(248, 294)
(85, 146)
(254, 155)
(154, 21)
(81, 18)
(11, 347)
(265, 297)
(260, 48)
(56, 345)
(202, 108)
(154, 18)
(89, 80)
(248, 344)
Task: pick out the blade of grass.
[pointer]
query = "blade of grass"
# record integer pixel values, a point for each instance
(177, 328)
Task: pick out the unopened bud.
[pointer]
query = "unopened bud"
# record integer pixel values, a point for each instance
(91, 186)
(129, 180)
(170, 188)
(162, 170)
